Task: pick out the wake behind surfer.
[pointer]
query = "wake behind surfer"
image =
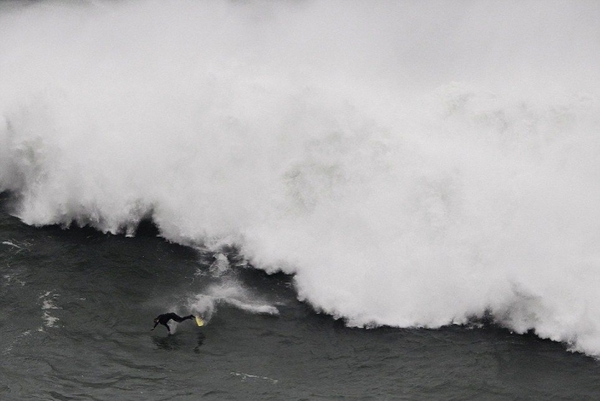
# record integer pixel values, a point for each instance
(164, 319)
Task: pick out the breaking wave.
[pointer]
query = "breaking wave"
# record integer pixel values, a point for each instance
(412, 165)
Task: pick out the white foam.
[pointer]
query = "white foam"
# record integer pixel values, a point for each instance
(48, 305)
(245, 376)
(328, 140)
(220, 266)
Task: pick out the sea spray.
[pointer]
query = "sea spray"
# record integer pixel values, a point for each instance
(411, 165)
(229, 292)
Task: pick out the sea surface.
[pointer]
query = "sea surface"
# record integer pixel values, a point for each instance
(77, 306)
(365, 200)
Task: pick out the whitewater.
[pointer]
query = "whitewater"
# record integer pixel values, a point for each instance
(410, 164)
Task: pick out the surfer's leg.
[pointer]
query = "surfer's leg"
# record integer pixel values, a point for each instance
(180, 319)
(177, 318)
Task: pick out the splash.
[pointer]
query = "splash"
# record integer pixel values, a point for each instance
(413, 165)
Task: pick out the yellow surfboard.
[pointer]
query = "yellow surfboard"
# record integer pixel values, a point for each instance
(199, 321)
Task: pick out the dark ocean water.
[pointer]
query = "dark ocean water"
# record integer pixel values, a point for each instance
(77, 306)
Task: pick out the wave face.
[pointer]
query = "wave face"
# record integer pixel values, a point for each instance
(413, 164)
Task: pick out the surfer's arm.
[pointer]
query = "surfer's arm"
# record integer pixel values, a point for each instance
(155, 324)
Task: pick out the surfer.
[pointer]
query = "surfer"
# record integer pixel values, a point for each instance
(164, 319)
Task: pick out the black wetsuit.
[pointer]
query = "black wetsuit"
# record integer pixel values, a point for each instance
(164, 319)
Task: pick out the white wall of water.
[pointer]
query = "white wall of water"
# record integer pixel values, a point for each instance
(412, 163)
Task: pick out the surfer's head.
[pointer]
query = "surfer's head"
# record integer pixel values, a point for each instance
(155, 320)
